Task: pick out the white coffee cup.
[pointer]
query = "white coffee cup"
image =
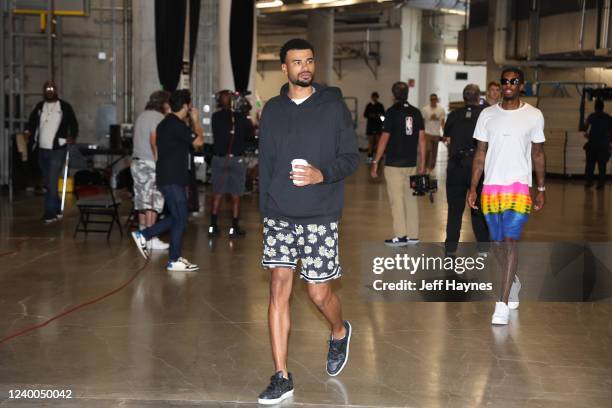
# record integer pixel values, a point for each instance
(298, 162)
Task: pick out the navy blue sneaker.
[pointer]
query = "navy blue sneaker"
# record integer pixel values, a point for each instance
(339, 352)
(280, 388)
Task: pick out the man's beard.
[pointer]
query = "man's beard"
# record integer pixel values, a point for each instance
(50, 97)
(511, 97)
(303, 84)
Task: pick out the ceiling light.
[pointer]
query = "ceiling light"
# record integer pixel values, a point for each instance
(269, 3)
(451, 54)
(453, 11)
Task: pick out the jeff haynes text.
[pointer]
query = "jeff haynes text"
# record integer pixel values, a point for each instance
(435, 285)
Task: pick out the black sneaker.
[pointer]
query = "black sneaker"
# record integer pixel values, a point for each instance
(236, 232)
(280, 388)
(397, 241)
(213, 231)
(339, 352)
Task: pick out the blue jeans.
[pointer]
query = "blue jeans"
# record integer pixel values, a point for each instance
(51, 164)
(176, 221)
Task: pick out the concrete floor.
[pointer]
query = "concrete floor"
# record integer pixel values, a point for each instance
(201, 339)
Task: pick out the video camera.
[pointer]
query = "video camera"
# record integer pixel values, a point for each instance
(240, 103)
(423, 184)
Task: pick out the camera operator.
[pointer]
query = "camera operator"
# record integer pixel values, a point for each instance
(230, 129)
(459, 130)
(403, 136)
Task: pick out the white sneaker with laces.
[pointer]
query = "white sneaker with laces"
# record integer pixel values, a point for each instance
(501, 314)
(158, 244)
(513, 299)
(181, 265)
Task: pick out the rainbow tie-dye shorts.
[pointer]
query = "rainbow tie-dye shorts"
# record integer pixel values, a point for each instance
(506, 209)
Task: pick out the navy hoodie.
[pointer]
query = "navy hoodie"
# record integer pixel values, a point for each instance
(320, 131)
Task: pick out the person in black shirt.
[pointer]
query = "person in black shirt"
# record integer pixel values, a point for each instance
(403, 136)
(174, 140)
(373, 112)
(459, 132)
(230, 129)
(598, 147)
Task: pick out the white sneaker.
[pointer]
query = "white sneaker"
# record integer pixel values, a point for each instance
(141, 244)
(158, 244)
(501, 314)
(182, 265)
(513, 299)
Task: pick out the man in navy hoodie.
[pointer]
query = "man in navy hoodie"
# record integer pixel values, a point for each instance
(301, 204)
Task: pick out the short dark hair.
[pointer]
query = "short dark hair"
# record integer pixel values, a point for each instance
(374, 95)
(471, 93)
(599, 105)
(516, 70)
(400, 91)
(433, 94)
(179, 98)
(294, 44)
(157, 100)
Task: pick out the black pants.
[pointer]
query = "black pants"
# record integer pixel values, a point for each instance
(458, 180)
(601, 157)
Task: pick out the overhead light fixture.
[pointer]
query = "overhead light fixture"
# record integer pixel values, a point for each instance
(317, 1)
(451, 54)
(453, 11)
(269, 3)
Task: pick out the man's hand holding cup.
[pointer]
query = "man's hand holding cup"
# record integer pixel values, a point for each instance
(303, 174)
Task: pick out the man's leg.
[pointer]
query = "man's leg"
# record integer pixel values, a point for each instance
(479, 225)
(371, 145)
(455, 196)
(510, 264)
(44, 161)
(395, 190)
(329, 305)
(151, 217)
(589, 167)
(178, 208)
(602, 161)
(279, 316)
(411, 205)
(56, 165)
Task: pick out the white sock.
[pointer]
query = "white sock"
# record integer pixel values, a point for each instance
(141, 227)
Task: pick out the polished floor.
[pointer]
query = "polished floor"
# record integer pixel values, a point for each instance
(200, 339)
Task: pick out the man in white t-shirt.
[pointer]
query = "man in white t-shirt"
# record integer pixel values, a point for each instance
(510, 135)
(434, 117)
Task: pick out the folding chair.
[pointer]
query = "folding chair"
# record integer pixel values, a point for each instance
(96, 202)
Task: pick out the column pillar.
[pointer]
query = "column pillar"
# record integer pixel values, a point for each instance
(144, 67)
(321, 36)
(411, 51)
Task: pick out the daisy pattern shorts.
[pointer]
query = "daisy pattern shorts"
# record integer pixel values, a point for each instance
(315, 245)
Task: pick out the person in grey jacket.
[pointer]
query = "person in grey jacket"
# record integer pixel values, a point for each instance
(301, 203)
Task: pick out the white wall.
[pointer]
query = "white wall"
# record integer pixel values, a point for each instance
(440, 79)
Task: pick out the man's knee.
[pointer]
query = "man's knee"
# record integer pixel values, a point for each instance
(319, 293)
(280, 284)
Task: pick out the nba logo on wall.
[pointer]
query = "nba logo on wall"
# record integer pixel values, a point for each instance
(409, 125)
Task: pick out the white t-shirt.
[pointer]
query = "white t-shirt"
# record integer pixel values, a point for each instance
(50, 120)
(509, 134)
(300, 100)
(433, 119)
